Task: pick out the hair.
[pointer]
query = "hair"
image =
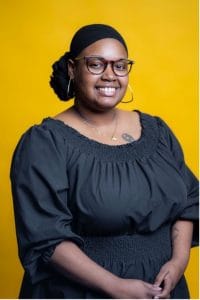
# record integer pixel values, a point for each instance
(85, 36)
(60, 79)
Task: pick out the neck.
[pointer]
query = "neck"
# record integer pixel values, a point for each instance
(96, 118)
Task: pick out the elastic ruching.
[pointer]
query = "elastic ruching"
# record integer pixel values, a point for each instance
(129, 248)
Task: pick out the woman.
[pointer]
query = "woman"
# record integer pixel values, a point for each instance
(105, 206)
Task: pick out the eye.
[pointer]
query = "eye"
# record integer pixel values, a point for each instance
(120, 65)
(95, 63)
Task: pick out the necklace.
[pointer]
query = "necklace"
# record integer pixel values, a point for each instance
(94, 127)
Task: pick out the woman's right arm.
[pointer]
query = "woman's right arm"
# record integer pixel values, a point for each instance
(73, 263)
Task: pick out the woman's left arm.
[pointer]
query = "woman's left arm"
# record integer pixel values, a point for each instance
(171, 272)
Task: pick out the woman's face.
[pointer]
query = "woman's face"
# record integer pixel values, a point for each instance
(104, 91)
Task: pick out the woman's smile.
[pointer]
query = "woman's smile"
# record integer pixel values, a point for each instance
(107, 91)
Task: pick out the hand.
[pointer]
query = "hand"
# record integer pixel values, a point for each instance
(167, 278)
(135, 289)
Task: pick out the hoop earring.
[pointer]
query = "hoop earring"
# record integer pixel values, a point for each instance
(68, 87)
(131, 90)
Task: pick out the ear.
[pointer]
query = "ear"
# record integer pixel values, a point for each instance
(71, 68)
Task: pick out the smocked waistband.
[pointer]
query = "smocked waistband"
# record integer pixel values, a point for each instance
(127, 248)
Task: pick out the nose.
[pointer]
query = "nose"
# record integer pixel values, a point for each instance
(108, 74)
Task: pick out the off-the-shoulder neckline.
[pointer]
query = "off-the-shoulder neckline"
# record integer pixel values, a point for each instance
(83, 137)
(139, 149)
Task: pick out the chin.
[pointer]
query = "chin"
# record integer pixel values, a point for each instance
(100, 104)
(104, 107)
(108, 102)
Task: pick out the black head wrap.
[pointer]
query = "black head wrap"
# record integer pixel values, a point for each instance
(84, 37)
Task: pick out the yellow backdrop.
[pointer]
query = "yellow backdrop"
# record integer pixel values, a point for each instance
(162, 39)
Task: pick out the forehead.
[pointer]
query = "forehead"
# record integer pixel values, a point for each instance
(108, 48)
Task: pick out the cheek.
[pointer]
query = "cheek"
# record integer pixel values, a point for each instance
(125, 81)
(85, 83)
(124, 84)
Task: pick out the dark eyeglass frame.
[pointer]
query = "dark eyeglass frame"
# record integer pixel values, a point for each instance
(106, 62)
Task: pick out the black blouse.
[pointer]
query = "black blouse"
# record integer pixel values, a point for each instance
(67, 186)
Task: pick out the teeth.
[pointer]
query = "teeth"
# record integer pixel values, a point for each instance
(107, 91)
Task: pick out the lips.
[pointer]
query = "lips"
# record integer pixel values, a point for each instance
(107, 91)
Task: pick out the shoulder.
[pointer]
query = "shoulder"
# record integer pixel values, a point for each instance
(39, 143)
(149, 117)
(42, 133)
(155, 120)
(163, 129)
(166, 135)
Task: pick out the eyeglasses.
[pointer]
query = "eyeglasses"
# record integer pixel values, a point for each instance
(97, 65)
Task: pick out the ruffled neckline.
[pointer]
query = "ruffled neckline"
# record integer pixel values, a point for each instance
(139, 149)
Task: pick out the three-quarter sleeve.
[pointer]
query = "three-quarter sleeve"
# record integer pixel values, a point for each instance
(40, 195)
(191, 208)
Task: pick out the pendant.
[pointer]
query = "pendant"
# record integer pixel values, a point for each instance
(114, 138)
